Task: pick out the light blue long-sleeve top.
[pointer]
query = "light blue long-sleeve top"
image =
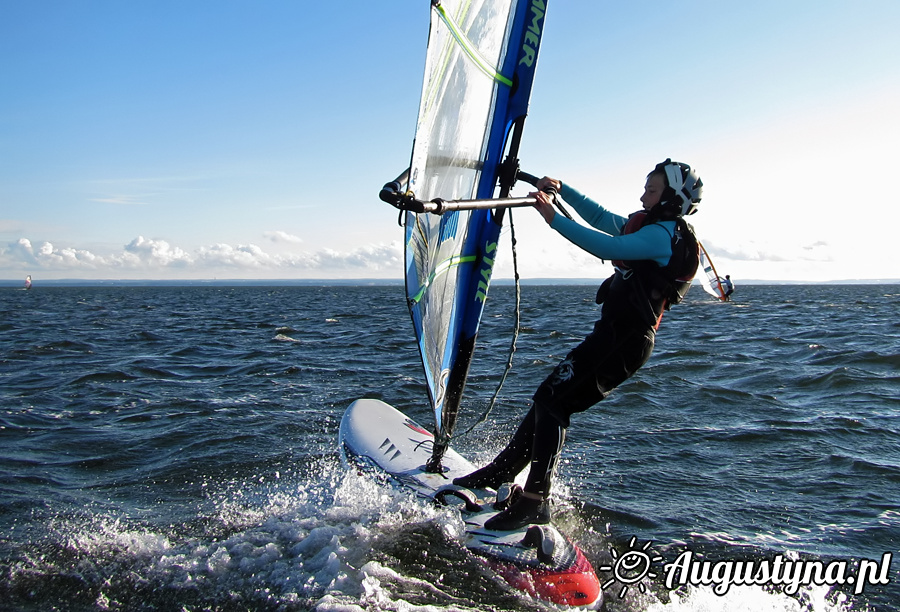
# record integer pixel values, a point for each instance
(604, 238)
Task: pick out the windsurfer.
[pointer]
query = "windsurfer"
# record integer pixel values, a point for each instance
(728, 286)
(656, 255)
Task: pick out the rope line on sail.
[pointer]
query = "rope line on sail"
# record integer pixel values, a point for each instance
(484, 65)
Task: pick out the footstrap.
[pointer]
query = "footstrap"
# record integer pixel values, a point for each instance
(464, 494)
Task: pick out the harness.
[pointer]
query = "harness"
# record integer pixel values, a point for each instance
(643, 289)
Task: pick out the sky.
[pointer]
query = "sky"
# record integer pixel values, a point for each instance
(248, 140)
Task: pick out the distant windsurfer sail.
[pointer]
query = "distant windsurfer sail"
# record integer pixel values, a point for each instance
(714, 284)
(28, 282)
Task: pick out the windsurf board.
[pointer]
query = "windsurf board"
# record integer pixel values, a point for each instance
(537, 559)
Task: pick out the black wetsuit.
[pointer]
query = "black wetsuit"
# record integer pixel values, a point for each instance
(633, 299)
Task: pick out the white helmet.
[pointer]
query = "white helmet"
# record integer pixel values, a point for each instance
(687, 188)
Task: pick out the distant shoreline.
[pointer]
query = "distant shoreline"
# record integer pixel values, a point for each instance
(369, 282)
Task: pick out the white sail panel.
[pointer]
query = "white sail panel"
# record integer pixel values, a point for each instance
(455, 119)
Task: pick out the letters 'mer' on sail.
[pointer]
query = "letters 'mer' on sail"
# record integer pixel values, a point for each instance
(478, 76)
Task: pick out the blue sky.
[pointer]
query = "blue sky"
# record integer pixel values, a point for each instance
(249, 139)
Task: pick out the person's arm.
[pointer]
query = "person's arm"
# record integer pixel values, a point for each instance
(653, 242)
(589, 210)
(592, 212)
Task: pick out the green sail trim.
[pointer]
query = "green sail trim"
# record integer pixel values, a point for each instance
(442, 268)
(471, 51)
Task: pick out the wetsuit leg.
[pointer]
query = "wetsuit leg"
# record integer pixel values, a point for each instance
(589, 373)
(509, 462)
(513, 459)
(606, 358)
(549, 437)
(533, 506)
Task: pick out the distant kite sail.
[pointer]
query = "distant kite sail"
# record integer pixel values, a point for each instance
(714, 284)
(479, 71)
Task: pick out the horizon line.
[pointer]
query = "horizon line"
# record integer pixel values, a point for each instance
(87, 282)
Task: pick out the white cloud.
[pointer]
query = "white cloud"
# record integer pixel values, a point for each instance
(154, 258)
(755, 250)
(377, 257)
(157, 252)
(22, 250)
(241, 256)
(49, 257)
(279, 236)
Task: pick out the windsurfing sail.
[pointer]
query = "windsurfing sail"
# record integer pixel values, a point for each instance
(714, 284)
(479, 72)
(28, 282)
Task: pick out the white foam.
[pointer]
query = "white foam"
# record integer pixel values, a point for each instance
(750, 599)
(104, 535)
(308, 541)
(284, 338)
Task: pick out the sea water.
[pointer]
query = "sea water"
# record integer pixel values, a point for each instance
(174, 448)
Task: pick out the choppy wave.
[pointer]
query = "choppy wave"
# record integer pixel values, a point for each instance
(174, 448)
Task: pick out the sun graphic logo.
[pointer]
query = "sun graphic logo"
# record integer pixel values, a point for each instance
(630, 567)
